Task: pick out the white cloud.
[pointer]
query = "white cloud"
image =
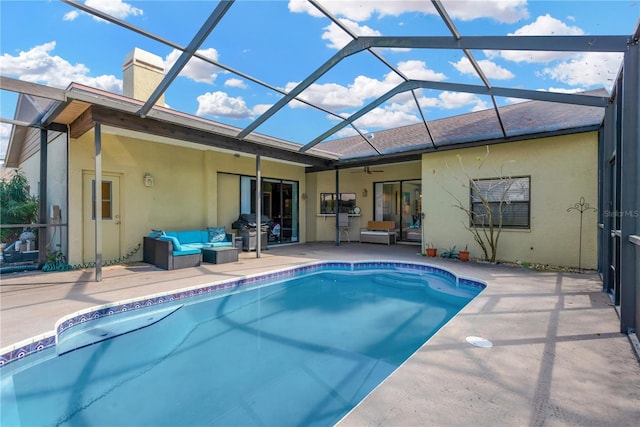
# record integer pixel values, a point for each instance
(39, 66)
(454, 100)
(489, 68)
(547, 25)
(417, 70)
(116, 8)
(587, 69)
(328, 95)
(196, 69)
(258, 109)
(515, 100)
(385, 118)
(563, 90)
(5, 132)
(543, 26)
(220, 104)
(303, 6)
(233, 82)
(338, 38)
(346, 132)
(333, 96)
(426, 102)
(508, 11)
(71, 16)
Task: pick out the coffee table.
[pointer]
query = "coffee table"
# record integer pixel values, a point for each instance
(220, 255)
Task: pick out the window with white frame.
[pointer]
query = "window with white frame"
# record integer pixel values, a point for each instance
(510, 196)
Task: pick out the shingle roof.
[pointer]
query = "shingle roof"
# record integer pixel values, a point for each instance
(535, 118)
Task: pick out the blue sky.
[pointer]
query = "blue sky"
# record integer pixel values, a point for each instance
(281, 42)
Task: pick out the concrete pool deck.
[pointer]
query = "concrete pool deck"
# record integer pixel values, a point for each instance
(558, 358)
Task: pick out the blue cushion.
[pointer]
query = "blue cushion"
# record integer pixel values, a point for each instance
(187, 246)
(186, 252)
(221, 244)
(172, 239)
(217, 234)
(189, 236)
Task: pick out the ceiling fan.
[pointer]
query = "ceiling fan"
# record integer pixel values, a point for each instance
(367, 170)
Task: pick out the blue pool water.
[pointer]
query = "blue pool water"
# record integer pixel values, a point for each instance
(298, 352)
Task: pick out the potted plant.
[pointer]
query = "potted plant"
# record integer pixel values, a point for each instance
(451, 253)
(430, 250)
(464, 254)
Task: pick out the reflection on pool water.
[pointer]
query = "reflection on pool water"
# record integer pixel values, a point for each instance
(301, 347)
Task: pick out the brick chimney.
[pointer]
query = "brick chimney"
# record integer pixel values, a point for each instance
(142, 72)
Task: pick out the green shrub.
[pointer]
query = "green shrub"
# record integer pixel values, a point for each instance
(17, 206)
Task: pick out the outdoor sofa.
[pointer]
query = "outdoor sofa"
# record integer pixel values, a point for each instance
(171, 250)
(379, 232)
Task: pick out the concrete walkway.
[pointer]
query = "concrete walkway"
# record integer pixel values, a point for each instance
(558, 358)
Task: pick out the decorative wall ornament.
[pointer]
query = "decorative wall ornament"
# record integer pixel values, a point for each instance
(581, 207)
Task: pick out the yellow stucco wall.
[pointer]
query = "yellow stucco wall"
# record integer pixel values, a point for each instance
(195, 189)
(351, 181)
(562, 169)
(186, 193)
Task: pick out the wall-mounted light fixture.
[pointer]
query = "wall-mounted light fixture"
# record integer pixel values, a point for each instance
(148, 180)
(364, 192)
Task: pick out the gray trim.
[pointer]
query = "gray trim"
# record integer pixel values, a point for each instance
(520, 43)
(34, 89)
(630, 198)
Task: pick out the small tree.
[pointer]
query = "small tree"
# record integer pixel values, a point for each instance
(485, 222)
(17, 205)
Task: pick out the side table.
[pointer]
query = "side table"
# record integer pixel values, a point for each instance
(220, 255)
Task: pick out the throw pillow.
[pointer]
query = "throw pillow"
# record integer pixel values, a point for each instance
(217, 234)
(156, 233)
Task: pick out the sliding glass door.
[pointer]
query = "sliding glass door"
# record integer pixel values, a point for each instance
(279, 206)
(400, 202)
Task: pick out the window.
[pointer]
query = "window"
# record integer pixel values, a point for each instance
(328, 202)
(511, 195)
(107, 200)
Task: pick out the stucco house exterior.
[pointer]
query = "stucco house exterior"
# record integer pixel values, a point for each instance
(164, 169)
(154, 181)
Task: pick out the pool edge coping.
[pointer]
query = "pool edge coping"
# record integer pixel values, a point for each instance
(49, 339)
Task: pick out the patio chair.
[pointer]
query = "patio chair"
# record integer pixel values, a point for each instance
(344, 223)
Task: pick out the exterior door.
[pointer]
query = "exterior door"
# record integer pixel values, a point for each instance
(111, 224)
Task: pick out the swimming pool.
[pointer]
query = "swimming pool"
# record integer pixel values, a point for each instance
(295, 347)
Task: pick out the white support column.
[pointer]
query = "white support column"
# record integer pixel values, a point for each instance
(98, 200)
(258, 207)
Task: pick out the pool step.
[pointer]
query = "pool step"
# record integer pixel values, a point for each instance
(98, 330)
